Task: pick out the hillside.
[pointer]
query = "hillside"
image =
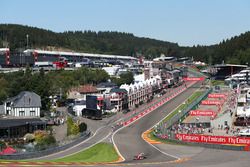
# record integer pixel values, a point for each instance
(85, 41)
(235, 50)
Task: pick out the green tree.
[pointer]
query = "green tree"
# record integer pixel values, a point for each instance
(125, 78)
(75, 129)
(70, 124)
(82, 127)
(3, 89)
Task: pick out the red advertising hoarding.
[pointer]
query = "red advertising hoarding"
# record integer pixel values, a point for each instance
(211, 102)
(213, 139)
(194, 79)
(202, 113)
(216, 95)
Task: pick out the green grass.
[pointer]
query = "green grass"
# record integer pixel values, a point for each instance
(182, 106)
(193, 97)
(217, 82)
(101, 152)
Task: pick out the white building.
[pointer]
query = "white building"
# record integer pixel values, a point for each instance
(141, 91)
(25, 104)
(112, 71)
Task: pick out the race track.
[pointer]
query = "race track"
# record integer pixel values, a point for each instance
(129, 141)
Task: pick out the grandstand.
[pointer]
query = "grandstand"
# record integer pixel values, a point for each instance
(30, 56)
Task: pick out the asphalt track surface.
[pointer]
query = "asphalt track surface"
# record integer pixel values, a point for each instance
(129, 141)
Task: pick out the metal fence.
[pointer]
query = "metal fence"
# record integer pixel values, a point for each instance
(164, 132)
(29, 155)
(206, 145)
(169, 93)
(182, 113)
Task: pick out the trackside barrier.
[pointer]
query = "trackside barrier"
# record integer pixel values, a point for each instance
(192, 139)
(29, 155)
(214, 146)
(184, 112)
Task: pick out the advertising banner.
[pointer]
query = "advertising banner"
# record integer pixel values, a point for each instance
(213, 139)
(194, 79)
(202, 113)
(211, 102)
(216, 95)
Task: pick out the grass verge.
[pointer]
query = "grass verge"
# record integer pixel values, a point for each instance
(194, 96)
(182, 106)
(217, 82)
(101, 152)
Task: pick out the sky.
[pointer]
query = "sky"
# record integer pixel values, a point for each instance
(186, 22)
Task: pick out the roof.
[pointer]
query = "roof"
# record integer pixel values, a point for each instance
(140, 84)
(4, 49)
(118, 90)
(106, 85)
(25, 99)
(80, 54)
(243, 111)
(6, 122)
(229, 65)
(84, 89)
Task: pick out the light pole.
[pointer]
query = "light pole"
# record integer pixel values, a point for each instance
(27, 37)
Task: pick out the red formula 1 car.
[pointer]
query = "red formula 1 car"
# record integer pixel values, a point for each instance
(140, 156)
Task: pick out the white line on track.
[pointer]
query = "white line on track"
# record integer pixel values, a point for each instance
(116, 148)
(88, 146)
(158, 123)
(73, 146)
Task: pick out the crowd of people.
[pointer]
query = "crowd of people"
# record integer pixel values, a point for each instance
(188, 128)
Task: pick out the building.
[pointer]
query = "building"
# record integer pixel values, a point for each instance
(17, 128)
(221, 71)
(30, 56)
(82, 91)
(80, 95)
(119, 98)
(113, 70)
(141, 91)
(25, 104)
(105, 87)
(166, 59)
(4, 56)
(45, 55)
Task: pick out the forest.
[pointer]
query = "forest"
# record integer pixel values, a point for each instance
(54, 82)
(234, 50)
(118, 43)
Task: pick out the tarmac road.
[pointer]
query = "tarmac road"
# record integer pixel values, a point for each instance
(129, 141)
